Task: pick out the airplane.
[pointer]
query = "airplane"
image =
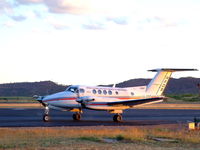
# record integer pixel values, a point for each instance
(76, 98)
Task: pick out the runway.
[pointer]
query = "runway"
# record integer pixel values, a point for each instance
(24, 117)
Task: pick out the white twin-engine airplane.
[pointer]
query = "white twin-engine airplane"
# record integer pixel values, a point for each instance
(112, 99)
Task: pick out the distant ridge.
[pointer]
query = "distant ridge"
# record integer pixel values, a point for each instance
(176, 86)
(30, 88)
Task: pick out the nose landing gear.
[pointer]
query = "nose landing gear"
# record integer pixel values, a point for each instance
(46, 117)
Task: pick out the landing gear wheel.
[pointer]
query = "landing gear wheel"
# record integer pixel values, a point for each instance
(76, 116)
(117, 118)
(46, 118)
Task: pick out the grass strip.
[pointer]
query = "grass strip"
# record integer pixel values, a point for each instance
(61, 137)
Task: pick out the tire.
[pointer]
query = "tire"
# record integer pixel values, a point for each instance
(117, 118)
(46, 118)
(76, 117)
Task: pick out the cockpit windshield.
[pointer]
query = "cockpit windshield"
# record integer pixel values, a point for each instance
(72, 89)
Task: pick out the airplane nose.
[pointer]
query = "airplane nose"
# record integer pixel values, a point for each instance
(59, 96)
(40, 99)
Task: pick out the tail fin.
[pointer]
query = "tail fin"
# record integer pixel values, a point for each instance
(159, 82)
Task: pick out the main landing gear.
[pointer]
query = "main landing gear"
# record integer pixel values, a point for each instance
(76, 116)
(118, 115)
(117, 118)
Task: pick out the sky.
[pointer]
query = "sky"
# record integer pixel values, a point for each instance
(92, 42)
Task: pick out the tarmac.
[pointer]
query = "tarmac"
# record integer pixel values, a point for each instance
(32, 117)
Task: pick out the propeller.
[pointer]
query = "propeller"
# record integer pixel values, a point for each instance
(39, 99)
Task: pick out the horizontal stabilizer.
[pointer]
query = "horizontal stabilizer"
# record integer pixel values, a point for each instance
(172, 69)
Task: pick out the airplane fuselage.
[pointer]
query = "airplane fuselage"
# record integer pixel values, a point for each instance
(98, 98)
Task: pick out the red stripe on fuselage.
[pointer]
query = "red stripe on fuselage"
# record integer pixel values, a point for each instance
(96, 104)
(74, 98)
(60, 99)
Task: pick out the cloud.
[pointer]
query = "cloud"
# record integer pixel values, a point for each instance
(99, 24)
(60, 26)
(167, 22)
(67, 6)
(5, 7)
(9, 24)
(102, 12)
(25, 2)
(96, 26)
(62, 6)
(57, 23)
(79, 7)
(118, 20)
(18, 18)
(37, 14)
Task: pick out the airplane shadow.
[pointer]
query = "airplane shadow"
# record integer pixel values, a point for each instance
(70, 123)
(105, 123)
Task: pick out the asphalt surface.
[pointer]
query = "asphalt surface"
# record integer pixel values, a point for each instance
(19, 117)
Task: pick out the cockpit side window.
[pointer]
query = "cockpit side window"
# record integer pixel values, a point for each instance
(73, 89)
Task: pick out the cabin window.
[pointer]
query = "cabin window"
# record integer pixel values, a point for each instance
(110, 92)
(99, 91)
(104, 92)
(81, 90)
(132, 93)
(94, 91)
(116, 92)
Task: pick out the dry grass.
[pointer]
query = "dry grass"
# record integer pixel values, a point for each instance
(92, 137)
(22, 105)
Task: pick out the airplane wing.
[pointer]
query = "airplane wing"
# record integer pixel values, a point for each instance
(89, 99)
(136, 101)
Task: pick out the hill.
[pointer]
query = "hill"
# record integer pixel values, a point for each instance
(175, 86)
(30, 88)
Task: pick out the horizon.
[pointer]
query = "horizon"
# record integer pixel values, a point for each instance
(93, 85)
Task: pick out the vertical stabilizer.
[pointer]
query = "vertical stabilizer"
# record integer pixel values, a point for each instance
(159, 82)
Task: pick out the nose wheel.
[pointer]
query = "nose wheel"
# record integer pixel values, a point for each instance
(76, 116)
(117, 118)
(46, 117)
